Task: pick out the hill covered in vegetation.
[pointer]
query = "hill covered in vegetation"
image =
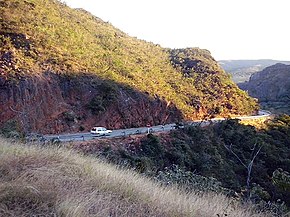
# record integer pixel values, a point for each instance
(271, 87)
(63, 69)
(37, 181)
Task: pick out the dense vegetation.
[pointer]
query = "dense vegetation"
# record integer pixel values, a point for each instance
(39, 36)
(37, 181)
(222, 151)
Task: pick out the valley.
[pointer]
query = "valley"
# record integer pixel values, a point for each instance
(271, 87)
(241, 70)
(184, 136)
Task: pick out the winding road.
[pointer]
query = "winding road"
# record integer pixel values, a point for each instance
(142, 130)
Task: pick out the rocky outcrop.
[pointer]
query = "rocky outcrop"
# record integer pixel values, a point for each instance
(241, 70)
(53, 103)
(271, 84)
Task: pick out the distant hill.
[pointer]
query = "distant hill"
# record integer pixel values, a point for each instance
(271, 86)
(241, 70)
(63, 69)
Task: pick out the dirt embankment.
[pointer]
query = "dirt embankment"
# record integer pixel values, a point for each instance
(54, 103)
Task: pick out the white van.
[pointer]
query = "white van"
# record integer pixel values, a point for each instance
(100, 131)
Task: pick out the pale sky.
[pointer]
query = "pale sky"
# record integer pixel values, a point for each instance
(229, 29)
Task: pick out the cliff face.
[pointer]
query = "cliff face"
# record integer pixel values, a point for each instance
(52, 103)
(271, 84)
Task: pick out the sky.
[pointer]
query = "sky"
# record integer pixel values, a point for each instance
(229, 29)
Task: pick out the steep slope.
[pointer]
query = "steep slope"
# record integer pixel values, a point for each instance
(241, 70)
(66, 70)
(271, 86)
(38, 181)
(205, 151)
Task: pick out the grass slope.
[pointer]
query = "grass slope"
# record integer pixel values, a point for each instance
(38, 181)
(182, 156)
(46, 35)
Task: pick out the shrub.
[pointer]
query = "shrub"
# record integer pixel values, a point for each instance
(10, 129)
(175, 175)
(81, 128)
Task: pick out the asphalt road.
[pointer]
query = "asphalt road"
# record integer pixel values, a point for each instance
(115, 133)
(141, 130)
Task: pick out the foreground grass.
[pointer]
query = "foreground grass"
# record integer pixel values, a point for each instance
(37, 181)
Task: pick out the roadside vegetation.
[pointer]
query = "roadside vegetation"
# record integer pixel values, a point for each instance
(228, 157)
(47, 181)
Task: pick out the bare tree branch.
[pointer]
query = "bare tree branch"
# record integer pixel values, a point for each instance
(250, 164)
(231, 150)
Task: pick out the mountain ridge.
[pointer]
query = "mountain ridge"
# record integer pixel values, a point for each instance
(271, 87)
(62, 44)
(241, 70)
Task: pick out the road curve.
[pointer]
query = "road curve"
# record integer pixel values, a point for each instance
(142, 130)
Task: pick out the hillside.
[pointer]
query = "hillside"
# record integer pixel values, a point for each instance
(62, 69)
(272, 87)
(241, 70)
(214, 159)
(57, 182)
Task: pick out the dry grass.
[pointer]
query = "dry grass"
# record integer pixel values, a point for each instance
(259, 123)
(37, 181)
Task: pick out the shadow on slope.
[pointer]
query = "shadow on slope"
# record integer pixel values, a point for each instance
(52, 103)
